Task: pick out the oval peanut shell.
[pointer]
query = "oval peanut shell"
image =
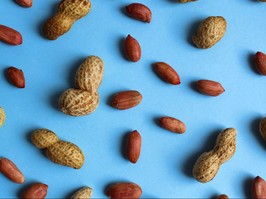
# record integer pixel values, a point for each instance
(167, 73)
(90, 73)
(210, 31)
(173, 124)
(77, 102)
(134, 146)
(126, 99)
(66, 153)
(124, 190)
(132, 49)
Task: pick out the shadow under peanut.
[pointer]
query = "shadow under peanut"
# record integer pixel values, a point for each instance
(191, 30)
(254, 128)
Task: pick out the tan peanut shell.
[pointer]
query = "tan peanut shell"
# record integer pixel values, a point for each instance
(90, 73)
(78, 102)
(83, 193)
(262, 128)
(68, 12)
(210, 31)
(209, 163)
(2, 116)
(43, 138)
(58, 151)
(65, 153)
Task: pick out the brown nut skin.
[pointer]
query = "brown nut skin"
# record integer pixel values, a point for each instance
(132, 49)
(139, 11)
(260, 62)
(210, 31)
(172, 124)
(167, 73)
(16, 77)
(10, 36)
(209, 87)
(123, 191)
(222, 196)
(68, 12)
(134, 146)
(262, 128)
(126, 99)
(36, 191)
(258, 188)
(11, 171)
(24, 3)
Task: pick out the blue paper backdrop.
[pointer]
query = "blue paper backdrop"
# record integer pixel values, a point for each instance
(166, 161)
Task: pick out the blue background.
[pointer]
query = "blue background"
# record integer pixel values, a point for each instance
(165, 165)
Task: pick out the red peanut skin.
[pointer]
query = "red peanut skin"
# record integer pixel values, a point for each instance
(36, 191)
(258, 188)
(139, 11)
(134, 146)
(209, 87)
(124, 190)
(16, 77)
(24, 3)
(10, 36)
(172, 124)
(10, 170)
(132, 49)
(260, 63)
(167, 73)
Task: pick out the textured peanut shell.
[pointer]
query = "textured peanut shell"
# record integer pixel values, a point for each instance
(76, 102)
(209, 163)
(90, 73)
(186, 1)
(262, 128)
(210, 31)
(65, 153)
(43, 138)
(68, 12)
(83, 193)
(2, 116)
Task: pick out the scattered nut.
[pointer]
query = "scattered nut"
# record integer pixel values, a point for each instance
(167, 73)
(222, 196)
(11, 171)
(16, 77)
(10, 36)
(210, 31)
(260, 63)
(209, 87)
(60, 152)
(36, 191)
(209, 163)
(132, 49)
(139, 11)
(126, 99)
(258, 188)
(68, 12)
(124, 190)
(173, 124)
(133, 146)
(186, 1)
(24, 3)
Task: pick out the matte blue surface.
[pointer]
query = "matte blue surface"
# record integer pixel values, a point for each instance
(164, 168)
